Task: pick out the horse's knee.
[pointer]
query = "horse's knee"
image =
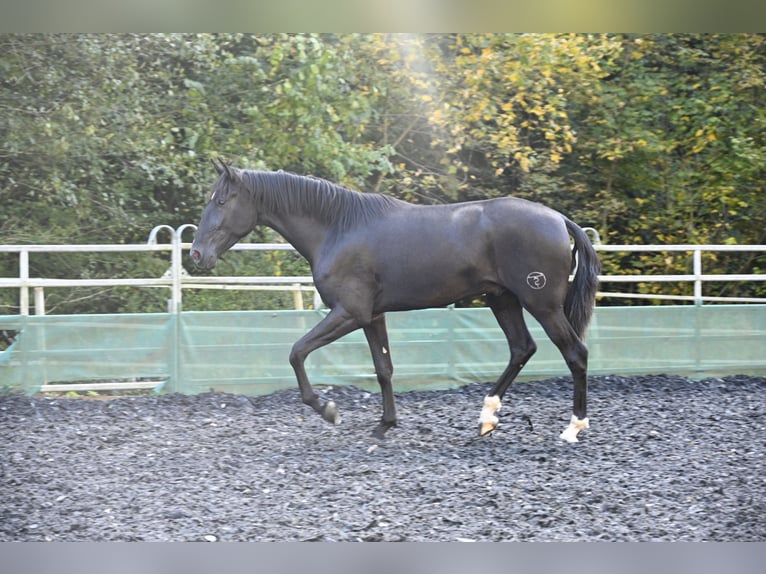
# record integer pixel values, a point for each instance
(521, 355)
(296, 358)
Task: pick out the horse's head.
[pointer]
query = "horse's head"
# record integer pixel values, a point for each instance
(228, 216)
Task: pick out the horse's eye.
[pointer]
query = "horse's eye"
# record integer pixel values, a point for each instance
(220, 201)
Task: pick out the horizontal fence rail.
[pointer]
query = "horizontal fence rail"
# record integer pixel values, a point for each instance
(697, 277)
(176, 279)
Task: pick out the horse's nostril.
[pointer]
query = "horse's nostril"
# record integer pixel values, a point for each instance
(196, 256)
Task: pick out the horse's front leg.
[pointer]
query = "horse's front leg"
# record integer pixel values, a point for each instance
(334, 326)
(377, 339)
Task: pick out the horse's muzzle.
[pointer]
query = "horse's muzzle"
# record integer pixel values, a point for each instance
(200, 261)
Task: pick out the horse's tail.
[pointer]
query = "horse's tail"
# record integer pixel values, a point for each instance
(581, 297)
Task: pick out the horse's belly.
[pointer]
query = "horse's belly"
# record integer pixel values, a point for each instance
(431, 288)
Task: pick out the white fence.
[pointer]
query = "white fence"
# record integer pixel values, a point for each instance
(697, 277)
(176, 279)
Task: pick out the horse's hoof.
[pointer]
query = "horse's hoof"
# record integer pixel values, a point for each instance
(487, 419)
(379, 432)
(575, 426)
(330, 413)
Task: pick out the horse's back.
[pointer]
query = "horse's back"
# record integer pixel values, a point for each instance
(478, 234)
(423, 256)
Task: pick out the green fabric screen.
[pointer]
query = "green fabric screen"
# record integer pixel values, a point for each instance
(63, 348)
(247, 351)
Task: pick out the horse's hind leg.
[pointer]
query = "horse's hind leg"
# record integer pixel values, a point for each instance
(575, 354)
(377, 338)
(335, 325)
(509, 315)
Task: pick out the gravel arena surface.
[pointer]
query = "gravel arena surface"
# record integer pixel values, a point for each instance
(666, 458)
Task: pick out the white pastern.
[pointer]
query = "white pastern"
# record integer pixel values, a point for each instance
(487, 419)
(575, 425)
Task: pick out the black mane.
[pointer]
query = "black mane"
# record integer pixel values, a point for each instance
(283, 192)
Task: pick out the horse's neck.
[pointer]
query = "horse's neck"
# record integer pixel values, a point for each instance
(302, 232)
(298, 212)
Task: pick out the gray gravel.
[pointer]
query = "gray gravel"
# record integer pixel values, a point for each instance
(666, 458)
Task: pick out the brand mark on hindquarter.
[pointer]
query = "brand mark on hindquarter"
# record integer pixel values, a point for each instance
(536, 280)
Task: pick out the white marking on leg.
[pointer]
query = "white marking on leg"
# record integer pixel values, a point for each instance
(487, 418)
(385, 351)
(575, 425)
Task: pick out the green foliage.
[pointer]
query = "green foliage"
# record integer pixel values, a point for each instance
(648, 138)
(672, 148)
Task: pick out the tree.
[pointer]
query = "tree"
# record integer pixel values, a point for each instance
(649, 138)
(672, 148)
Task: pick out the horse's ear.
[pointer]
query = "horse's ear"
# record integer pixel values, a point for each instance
(224, 168)
(227, 169)
(232, 173)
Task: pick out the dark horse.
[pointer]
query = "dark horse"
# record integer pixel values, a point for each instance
(371, 253)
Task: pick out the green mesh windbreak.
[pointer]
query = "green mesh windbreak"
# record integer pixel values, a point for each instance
(60, 348)
(712, 340)
(247, 351)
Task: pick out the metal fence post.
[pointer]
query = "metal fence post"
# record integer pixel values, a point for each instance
(24, 277)
(177, 266)
(39, 301)
(177, 375)
(175, 273)
(153, 241)
(297, 297)
(174, 343)
(697, 263)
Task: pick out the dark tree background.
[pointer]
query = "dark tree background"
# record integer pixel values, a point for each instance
(647, 138)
